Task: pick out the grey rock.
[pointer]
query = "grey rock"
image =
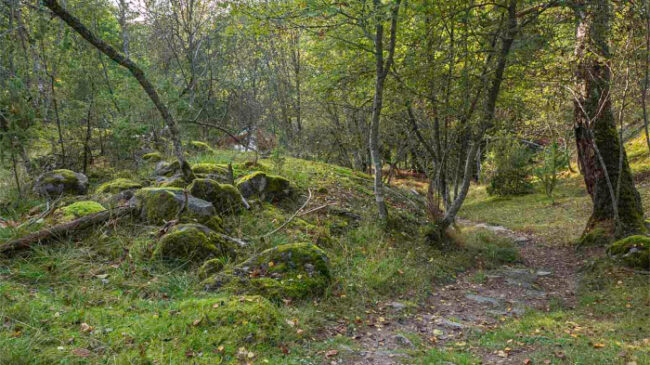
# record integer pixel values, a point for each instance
(57, 182)
(403, 341)
(483, 300)
(449, 324)
(543, 273)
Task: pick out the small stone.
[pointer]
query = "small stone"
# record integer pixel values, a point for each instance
(543, 273)
(403, 341)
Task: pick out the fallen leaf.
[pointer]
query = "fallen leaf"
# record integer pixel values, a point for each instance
(81, 352)
(331, 353)
(599, 345)
(528, 361)
(85, 327)
(196, 322)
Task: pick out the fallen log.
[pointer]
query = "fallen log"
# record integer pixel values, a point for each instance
(62, 230)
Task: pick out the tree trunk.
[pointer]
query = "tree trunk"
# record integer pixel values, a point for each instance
(597, 141)
(381, 71)
(136, 71)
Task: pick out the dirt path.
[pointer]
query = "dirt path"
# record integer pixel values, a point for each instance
(475, 303)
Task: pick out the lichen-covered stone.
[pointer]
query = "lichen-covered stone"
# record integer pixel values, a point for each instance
(634, 251)
(295, 271)
(164, 168)
(81, 209)
(118, 186)
(152, 156)
(57, 182)
(210, 268)
(192, 242)
(265, 186)
(225, 198)
(159, 205)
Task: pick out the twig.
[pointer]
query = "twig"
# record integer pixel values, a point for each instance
(315, 209)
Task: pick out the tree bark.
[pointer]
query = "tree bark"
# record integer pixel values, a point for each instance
(604, 168)
(135, 70)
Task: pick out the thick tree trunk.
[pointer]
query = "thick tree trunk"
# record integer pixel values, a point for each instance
(598, 144)
(136, 71)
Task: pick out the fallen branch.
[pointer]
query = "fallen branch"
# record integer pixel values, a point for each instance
(239, 242)
(64, 229)
(315, 209)
(288, 220)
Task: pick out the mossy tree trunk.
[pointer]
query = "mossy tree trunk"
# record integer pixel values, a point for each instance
(601, 156)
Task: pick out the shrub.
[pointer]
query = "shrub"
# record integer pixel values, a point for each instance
(553, 159)
(507, 168)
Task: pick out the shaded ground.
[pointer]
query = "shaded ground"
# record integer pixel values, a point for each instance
(476, 303)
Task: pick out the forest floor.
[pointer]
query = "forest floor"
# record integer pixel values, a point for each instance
(511, 290)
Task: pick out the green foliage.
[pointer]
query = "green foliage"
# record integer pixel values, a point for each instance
(553, 160)
(634, 251)
(507, 167)
(278, 159)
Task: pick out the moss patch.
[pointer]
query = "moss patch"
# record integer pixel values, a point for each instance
(80, 209)
(210, 268)
(225, 198)
(209, 168)
(152, 156)
(634, 251)
(193, 242)
(117, 186)
(199, 146)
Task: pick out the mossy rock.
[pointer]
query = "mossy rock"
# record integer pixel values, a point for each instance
(152, 156)
(634, 251)
(298, 270)
(160, 205)
(265, 186)
(237, 321)
(192, 242)
(164, 168)
(199, 146)
(118, 186)
(225, 198)
(57, 182)
(212, 171)
(210, 267)
(81, 209)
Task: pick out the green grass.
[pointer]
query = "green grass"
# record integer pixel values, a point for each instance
(143, 310)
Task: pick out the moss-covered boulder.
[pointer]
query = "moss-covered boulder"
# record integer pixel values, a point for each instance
(265, 186)
(118, 186)
(634, 251)
(160, 205)
(152, 156)
(296, 271)
(57, 182)
(225, 198)
(164, 168)
(199, 146)
(212, 171)
(192, 242)
(80, 209)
